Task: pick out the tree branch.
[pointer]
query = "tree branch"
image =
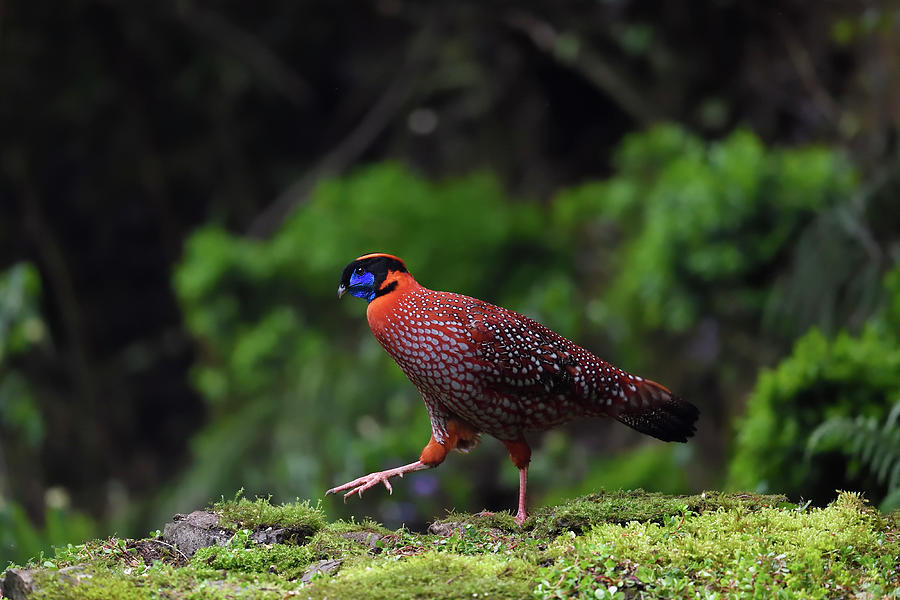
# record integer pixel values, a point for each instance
(590, 65)
(806, 70)
(248, 49)
(337, 160)
(349, 149)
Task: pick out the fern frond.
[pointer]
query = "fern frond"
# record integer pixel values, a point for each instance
(894, 479)
(876, 446)
(893, 416)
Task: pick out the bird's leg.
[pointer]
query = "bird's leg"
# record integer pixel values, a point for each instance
(432, 455)
(361, 484)
(520, 453)
(523, 481)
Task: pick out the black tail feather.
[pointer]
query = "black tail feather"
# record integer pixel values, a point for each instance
(664, 416)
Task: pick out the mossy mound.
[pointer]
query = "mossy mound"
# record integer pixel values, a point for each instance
(604, 545)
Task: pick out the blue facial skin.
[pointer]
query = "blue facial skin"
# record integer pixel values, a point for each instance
(362, 286)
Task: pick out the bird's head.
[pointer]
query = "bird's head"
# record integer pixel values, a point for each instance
(371, 276)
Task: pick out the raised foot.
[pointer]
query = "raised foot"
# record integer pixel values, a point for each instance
(361, 484)
(365, 482)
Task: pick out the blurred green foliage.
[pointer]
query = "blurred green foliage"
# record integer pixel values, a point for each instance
(21, 328)
(824, 378)
(698, 226)
(22, 428)
(661, 466)
(21, 540)
(20, 321)
(302, 397)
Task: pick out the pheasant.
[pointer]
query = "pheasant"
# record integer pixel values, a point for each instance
(483, 369)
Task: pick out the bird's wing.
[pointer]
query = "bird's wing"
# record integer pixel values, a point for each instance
(545, 379)
(518, 356)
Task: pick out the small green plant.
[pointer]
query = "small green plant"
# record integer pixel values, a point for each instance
(593, 573)
(875, 446)
(466, 539)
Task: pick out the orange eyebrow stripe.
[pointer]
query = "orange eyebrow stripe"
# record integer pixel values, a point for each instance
(385, 255)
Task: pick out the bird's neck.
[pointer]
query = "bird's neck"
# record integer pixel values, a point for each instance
(382, 307)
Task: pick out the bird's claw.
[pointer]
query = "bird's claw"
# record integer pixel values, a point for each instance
(361, 484)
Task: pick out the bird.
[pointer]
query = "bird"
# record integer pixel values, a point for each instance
(484, 369)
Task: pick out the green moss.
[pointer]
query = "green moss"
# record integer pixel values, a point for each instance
(283, 559)
(351, 526)
(431, 575)
(581, 514)
(250, 514)
(289, 560)
(499, 520)
(104, 583)
(606, 544)
(337, 540)
(159, 582)
(771, 552)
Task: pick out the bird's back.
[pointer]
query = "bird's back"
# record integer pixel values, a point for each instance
(505, 373)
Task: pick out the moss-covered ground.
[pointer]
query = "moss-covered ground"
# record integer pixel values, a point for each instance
(604, 545)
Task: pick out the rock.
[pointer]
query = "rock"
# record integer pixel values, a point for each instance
(204, 519)
(18, 584)
(446, 528)
(323, 566)
(197, 530)
(268, 534)
(153, 550)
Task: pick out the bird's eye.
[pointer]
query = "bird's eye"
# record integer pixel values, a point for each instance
(359, 271)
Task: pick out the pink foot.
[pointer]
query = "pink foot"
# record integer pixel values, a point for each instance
(361, 484)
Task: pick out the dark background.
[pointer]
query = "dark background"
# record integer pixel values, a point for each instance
(128, 129)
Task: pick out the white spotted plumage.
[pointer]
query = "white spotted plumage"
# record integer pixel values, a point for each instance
(500, 371)
(485, 369)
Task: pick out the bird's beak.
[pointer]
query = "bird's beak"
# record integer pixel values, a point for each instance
(342, 289)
